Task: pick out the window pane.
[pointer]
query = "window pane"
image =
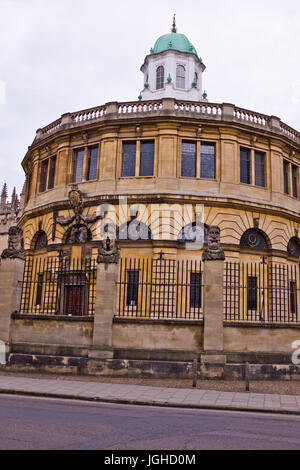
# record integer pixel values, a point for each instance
(259, 169)
(293, 299)
(160, 77)
(132, 288)
(286, 177)
(180, 76)
(52, 173)
(44, 172)
(252, 293)
(78, 167)
(93, 163)
(39, 289)
(147, 159)
(295, 180)
(245, 166)
(207, 161)
(195, 292)
(188, 159)
(129, 157)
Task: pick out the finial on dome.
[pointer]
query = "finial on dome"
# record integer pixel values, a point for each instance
(174, 29)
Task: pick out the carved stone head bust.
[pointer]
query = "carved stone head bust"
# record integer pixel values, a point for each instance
(213, 250)
(15, 249)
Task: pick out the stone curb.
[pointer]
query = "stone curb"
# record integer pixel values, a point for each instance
(124, 401)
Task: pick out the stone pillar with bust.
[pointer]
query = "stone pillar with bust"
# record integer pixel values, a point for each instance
(105, 299)
(213, 358)
(11, 277)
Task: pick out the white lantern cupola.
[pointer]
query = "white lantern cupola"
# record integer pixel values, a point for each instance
(173, 69)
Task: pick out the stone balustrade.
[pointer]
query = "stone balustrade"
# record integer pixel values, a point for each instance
(169, 106)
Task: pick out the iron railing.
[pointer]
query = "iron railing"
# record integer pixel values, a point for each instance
(57, 286)
(261, 292)
(160, 289)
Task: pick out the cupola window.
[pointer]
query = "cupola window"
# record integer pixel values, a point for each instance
(160, 77)
(180, 76)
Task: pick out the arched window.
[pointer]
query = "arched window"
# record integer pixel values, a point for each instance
(294, 247)
(40, 240)
(180, 76)
(191, 232)
(160, 77)
(133, 231)
(254, 239)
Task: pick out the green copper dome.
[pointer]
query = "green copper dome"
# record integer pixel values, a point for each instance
(173, 41)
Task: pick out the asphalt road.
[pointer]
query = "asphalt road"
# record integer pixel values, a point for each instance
(39, 423)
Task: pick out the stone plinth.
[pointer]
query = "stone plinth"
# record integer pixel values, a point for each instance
(105, 308)
(11, 276)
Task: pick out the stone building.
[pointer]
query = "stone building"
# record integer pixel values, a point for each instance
(157, 174)
(9, 213)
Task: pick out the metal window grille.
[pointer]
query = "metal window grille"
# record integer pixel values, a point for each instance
(56, 286)
(261, 292)
(160, 289)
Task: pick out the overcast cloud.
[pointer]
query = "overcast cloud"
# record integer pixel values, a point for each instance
(65, 55)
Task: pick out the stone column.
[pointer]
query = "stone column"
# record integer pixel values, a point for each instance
(11, 277)
(213, 357)
(105, 300)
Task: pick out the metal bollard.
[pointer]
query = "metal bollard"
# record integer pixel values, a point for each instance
(195, 364)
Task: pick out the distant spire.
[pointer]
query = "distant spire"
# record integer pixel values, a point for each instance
(174, 29)
(4, 195)
(14, 194)
(22, 197)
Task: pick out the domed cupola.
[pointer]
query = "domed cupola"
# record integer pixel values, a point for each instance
(173, 69)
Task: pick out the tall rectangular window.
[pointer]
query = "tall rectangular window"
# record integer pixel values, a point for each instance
(78, 165)
(147, 158)
(293, 299)
(52, 173)
(44, 174)
(188, 159)
(252, 293)
(286, 177)
(195, 290)
(259, 169)
(207, 161)
(128, 159)
(92, 163)
(132, 288)
(245, 166)
(295, 180)
(39, 289)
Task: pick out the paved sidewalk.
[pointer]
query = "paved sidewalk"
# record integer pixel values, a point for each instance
(148, 395)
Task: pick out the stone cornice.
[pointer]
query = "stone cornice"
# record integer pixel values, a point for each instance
(167, 107)
(162, 198)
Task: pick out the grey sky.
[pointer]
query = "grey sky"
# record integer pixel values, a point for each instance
(65, 55)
